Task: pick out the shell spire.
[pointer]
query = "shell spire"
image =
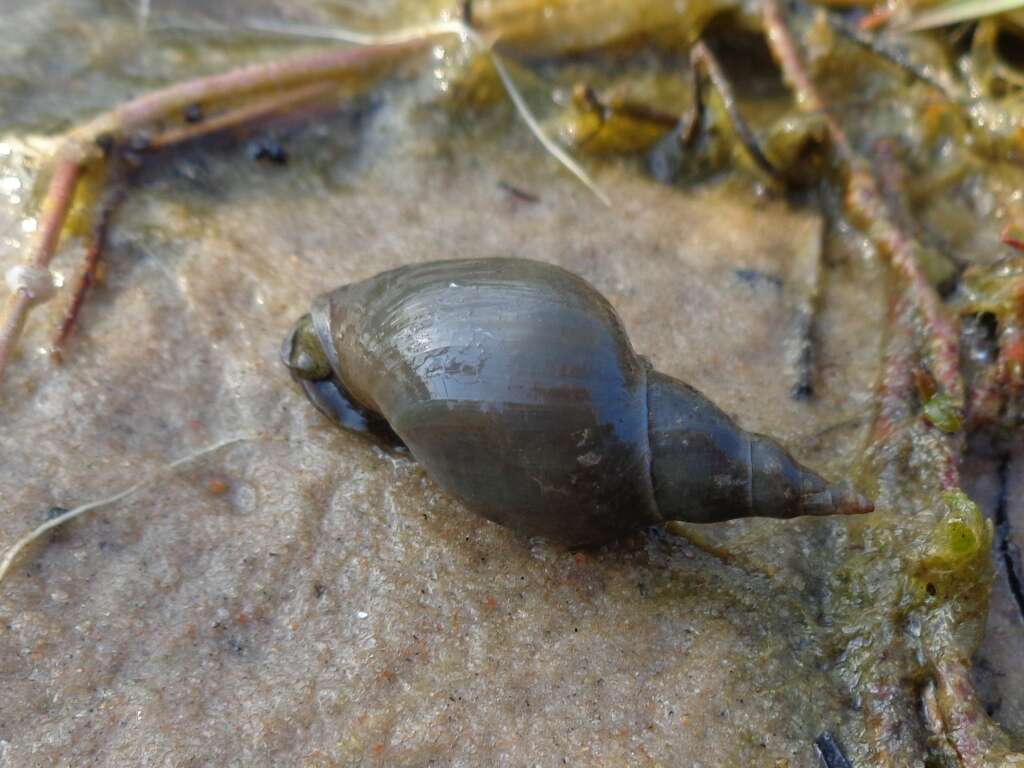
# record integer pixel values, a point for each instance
(705, 468)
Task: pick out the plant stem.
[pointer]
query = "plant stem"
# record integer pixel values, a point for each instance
(332, 64)
(55, 210)
(865, 200)
(88, 142)
(257, 110)
(87, 272)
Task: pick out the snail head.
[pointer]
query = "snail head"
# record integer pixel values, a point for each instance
(303, 354)
(313, 364)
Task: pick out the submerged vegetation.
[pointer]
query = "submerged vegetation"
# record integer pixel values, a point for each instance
(911, 141)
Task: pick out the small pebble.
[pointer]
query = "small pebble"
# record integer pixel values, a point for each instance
(267, 149)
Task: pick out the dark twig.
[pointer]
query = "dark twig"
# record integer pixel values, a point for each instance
(893, 54)
(704, 63)
(518, 193)
(808, 304)
(587, 99)
(1004, 536)
(55, 209)
(585, 94)
(91, 140)
(87, 272)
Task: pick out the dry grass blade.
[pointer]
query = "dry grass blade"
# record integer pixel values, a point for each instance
(956, 11)
(343, 35)
(55, 208)
(11, 555)
(531, 122)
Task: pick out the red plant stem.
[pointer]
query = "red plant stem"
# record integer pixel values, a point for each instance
(307, 68)
(866, 201)
(87, 273)
(55, 210)
(785, 50)
(1013, 236)
(961, 711)
(257, 110)
(98, 236)
(904, 251)
(86, 143)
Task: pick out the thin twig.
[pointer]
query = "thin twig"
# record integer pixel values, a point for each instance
(784, 47)
(88, 141)
(24, 541)
(704, 61)
(87, 272)
(257, 110)
(306, 68)
(904, 253)
(54, 211)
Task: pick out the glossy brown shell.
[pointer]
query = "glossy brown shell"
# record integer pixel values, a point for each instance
(512, 382)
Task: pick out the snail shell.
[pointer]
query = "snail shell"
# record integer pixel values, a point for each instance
(515, 386)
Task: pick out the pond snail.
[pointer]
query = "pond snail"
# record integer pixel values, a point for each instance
(513, 383)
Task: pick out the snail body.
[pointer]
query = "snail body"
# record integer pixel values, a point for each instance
(515, 386)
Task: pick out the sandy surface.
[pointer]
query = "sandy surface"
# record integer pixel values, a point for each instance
(304, 599)
(997, 482)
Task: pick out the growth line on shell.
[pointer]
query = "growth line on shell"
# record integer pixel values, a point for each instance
(11, 555)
